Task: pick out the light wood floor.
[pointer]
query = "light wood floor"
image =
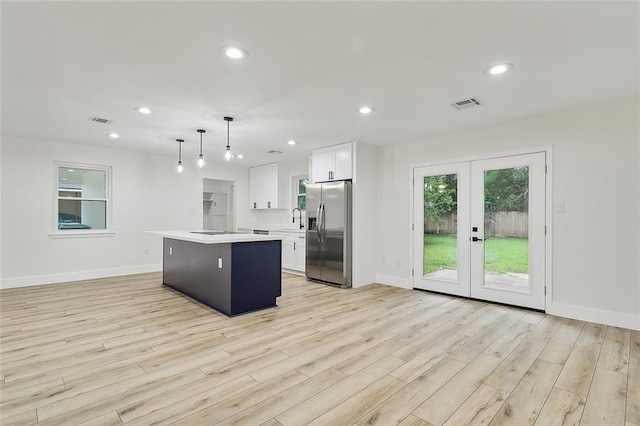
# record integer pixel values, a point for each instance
(128, 350)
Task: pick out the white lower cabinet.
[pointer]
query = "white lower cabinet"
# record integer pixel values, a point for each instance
(299, 254)
(288, 254)
(293, 250)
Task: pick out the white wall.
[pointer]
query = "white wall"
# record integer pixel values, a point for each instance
(364, 217)
(595, 173)
(148, 194)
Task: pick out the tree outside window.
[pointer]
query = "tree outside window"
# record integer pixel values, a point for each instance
(300, 186)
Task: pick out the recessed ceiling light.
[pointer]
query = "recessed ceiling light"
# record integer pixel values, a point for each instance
(499, 69)
(291, 142)
(113, 135)
(234, 52)
(70, 170)
(365, 110)
(240, 156)
(144, 110)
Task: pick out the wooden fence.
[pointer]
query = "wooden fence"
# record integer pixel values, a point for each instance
(497, 224)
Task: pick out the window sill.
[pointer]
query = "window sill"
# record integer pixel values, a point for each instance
(81, 234)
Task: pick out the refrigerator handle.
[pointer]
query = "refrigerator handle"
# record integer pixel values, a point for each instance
(323, 224)
(318, 223)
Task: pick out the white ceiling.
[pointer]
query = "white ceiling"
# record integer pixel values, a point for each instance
(310, 66)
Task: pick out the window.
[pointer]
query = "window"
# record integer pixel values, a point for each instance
(300, 191)
(82, 200)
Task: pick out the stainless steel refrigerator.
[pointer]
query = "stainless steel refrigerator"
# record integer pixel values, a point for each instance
(328, 233)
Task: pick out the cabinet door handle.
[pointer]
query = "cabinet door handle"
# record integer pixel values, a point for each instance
(268, 204)
(255, 205)
(294, 246)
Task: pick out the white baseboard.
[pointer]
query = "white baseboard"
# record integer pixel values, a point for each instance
(394, 281)
(293, 272)
(78, 276)
(615, 319)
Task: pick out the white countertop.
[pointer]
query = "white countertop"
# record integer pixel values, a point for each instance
(276, 228)
(214, 239)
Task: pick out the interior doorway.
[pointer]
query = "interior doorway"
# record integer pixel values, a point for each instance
(479, 229)
(218, 205)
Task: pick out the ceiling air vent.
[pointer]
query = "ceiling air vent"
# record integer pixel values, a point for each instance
(100, 120)
(273, 151)
(466, 103)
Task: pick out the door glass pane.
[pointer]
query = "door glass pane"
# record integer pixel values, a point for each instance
(506, 226)
(440, 227)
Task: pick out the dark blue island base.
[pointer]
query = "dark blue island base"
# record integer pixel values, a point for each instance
(232, 278)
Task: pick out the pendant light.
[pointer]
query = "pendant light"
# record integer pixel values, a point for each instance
(180, 167)
(201, 157)
(227, 152)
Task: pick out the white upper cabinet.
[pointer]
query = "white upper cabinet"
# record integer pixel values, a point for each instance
(332, 163)
(321, 165)
(255, 186)
(343, 166)
(268, 186)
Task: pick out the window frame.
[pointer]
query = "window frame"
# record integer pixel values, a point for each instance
(294, 189)
(82, 233)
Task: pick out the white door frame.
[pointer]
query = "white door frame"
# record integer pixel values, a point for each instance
(548, 246)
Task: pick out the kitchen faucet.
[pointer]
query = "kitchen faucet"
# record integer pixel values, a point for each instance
(299, 217)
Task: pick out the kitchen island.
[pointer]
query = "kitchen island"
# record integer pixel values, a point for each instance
(230, 272)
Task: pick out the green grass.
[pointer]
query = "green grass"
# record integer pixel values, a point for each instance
(439, 252)
(502, 255)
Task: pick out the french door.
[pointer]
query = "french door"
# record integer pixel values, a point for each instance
(479, 229)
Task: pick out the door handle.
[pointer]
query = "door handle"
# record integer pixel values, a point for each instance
(476, 239)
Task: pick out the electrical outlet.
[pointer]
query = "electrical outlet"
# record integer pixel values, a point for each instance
(219, 263)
